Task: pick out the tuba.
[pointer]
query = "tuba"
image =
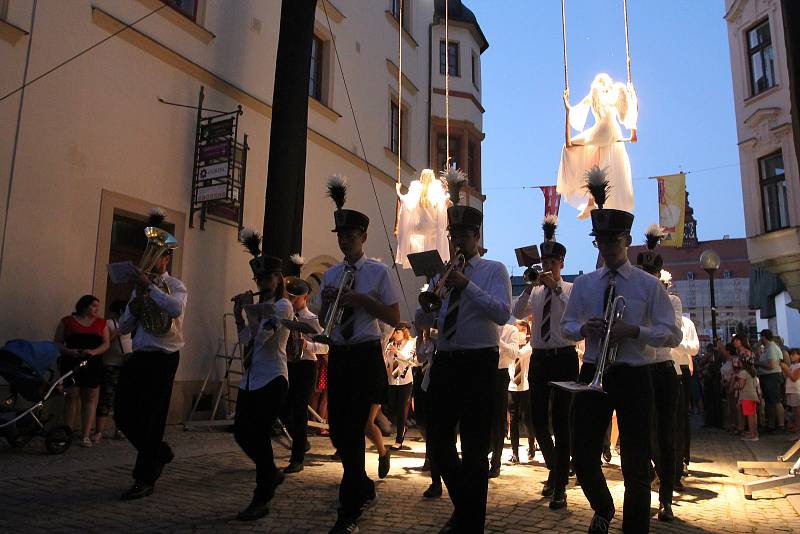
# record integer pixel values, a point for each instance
(151, 317)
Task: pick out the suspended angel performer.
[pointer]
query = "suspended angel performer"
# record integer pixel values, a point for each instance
(423, 218)
(601, 145)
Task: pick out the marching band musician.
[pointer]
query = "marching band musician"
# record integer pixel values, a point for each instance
(554, 359)
(145, 384)
(509, 352)
(399, 356)
(519, 400)
(264, 384)
(356, 375)
(648, 321)
(464, 370)
(665, 383)
(301, 351)
(682, 354)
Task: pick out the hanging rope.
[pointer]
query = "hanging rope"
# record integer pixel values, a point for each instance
(366, 162)
(399, 112)
(627, 41)
(447, 78)
(566, 70)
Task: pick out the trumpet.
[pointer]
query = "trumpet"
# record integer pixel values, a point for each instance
(255, 294)
(333, 316)
(431, 300)
(615, 309)
(532, 274)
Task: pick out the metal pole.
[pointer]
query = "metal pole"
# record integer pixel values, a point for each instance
(713, 306)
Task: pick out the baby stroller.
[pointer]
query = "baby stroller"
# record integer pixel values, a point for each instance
(24, 365)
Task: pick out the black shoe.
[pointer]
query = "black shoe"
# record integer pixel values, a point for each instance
(514, 459)
(494, 472)
(607, 454)
(137, 491)
(558, 500)
(426, 467)
(433, 491)
(255, 510)
(547, 489)
(344, 525)
(678, 485)
(599, 524)
(384, 462)
(293, 467)
(665, 512)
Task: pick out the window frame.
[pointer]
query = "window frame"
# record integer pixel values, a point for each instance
(452, 64)
(760, 50)
(690, 275)
(316, 66)
(394, 137)
(192, 16)
(455, 149)
(763, 183)
(4, 10)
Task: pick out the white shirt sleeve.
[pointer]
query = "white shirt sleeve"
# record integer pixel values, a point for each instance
(495, 300)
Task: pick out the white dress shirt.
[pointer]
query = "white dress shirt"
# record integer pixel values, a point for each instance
(508, 345)
(524, 359)
(372, 278)
(405, 353)
(425, 351)
(648, 307)
(173, 303)
(268, 360)
(533, 304)
(484, 304)
(690, 344)
(664, 354)
(312, 347)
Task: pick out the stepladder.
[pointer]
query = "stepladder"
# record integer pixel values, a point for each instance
(792, 477)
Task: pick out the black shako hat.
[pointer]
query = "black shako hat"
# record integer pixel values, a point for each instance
(344, 219)
(464, 216)
(550, 247)
(649, 260)
(605, 221)
(261, 265)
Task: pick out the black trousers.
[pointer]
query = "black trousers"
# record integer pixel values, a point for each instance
(399, 399)
(519, 406)
(295, 410)
(683, 431)
(356, 380)
(141, 406)
(712, 393)
(499, 413)
(462, 395)
(256, 412)
(665, 402)
(550, 402)
(629, 391)
(423, 406)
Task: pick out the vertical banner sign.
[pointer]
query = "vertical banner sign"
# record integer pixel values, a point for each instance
(672, 208)
(552, 200)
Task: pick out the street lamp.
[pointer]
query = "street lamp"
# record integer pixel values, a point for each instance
(709, 261)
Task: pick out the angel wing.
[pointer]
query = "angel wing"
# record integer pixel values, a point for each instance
(627, 105)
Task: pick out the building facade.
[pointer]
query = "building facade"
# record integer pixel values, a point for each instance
(763, 37)
(87, 149)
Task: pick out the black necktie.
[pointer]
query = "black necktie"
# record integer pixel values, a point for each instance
(545, 329)
(347, 325)
(452, 313)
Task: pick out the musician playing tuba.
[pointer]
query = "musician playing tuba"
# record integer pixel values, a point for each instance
(154, 314)
(463, 376)
(356, 375)
(648, 321)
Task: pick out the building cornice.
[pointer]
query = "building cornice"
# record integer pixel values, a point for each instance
(393, 70)
(735, 10)
(760, 115)
(10, 33)
(462, 94)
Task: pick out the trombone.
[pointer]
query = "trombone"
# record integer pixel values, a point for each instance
(431, 301)
(333, 316)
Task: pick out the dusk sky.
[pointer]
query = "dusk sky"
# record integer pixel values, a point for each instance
(681, 71)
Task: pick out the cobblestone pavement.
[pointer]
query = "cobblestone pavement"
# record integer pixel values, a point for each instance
(211, 480)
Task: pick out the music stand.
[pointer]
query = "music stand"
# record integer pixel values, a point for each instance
(528, 256)
(427, 264)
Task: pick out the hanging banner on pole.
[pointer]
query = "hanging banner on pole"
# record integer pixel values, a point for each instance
(672, 208)
(552, 200)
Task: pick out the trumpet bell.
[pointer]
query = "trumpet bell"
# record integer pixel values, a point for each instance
(430, 301)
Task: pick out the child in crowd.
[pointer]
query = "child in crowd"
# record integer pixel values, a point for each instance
(745, 385)
(792, 373)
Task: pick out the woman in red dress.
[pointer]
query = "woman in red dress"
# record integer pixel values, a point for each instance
(85, 336)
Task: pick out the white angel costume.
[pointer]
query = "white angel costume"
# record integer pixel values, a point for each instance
(602, 144)
(423, 219)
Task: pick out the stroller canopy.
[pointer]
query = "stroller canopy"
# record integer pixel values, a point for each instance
(38, 355)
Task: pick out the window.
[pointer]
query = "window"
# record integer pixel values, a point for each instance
(762, 58)
(727, 274)
(315, 77)
(774, 198)
(441, 151)
(473, 167)
(394, 9)
(3, 9)
(187, 8)
(452, 52)
(475, 67)
(394, 138)
(393, 133)
(690, 275)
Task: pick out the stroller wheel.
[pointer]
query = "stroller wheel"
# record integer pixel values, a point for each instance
(58, 440)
